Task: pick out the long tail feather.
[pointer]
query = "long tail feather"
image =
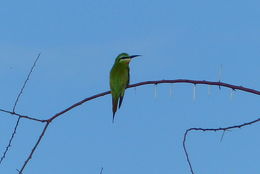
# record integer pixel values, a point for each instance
(120, 101)
(114, 108)
(121, 98)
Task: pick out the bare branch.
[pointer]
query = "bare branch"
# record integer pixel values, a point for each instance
(212, 130)
(25, 82)
(22, 116)
(77, 104)
(34, 148)
(195, 82)
(158, 82)
(234, 87)
(10, 141)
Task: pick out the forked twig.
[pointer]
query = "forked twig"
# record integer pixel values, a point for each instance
(14, 107)
(214, 130)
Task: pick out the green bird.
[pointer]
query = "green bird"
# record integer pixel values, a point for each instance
(119, 79)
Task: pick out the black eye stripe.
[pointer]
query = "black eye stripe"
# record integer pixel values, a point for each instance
(124, 57)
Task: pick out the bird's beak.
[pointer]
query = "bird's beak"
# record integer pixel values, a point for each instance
(133, 56)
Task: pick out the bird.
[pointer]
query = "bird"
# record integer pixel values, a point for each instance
(119, 80)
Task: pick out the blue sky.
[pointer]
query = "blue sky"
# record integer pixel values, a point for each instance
(79, 41)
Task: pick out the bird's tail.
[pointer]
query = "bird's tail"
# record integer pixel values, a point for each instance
(114, 107)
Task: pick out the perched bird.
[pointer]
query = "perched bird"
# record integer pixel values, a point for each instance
(119, 79)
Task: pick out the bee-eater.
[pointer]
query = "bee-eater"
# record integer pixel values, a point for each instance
(119, 79)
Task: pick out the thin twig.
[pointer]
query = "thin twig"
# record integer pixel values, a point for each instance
(101, 171)
(34, 148)
(25, 82)
(222, 136)
(214, 130)
(10, 140)
(22, 116)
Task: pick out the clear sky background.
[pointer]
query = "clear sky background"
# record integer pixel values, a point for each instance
(79, 41)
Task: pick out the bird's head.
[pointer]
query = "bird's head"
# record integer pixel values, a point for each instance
(124, 58)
